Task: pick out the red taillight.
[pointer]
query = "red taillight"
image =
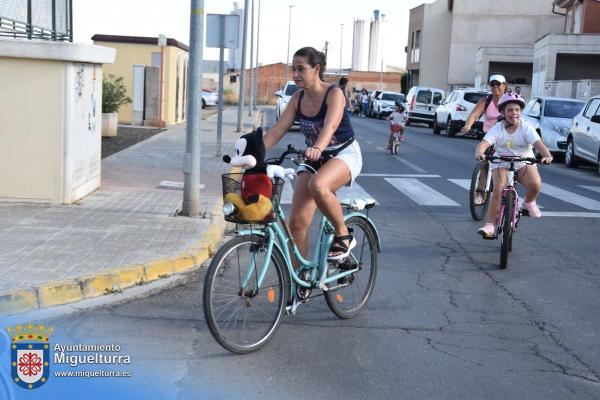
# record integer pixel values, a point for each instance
(412, 103)
(460, 108)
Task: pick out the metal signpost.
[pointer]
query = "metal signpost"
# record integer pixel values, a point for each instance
(222, 31)
(191, 161)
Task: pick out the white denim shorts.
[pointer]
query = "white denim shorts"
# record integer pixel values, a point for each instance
(351, 156)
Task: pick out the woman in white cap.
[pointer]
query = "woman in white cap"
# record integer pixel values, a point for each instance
(488, 106)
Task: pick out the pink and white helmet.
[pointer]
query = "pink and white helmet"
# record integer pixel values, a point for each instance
(511, 98)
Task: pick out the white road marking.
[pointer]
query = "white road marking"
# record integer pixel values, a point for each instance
(403, 175)
(421, 193)
(411, 165)
(346, 192)
(592, 188)
(466, 184)
(569, 197)
(570, 214)
(463, 183)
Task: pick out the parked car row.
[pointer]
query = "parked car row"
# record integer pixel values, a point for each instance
(583, 138)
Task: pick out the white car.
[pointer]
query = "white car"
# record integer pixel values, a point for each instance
(452, 114)
(583, 140)
(421, 103)
(552, 117)
(283, 98)
(209, 98)
(385, 103)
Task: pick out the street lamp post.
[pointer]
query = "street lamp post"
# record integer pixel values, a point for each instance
(287, 60)
(251, 86)
(256, 87)
(341, 42)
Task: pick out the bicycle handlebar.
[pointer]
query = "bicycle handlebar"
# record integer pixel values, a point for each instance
(528, 160)
(291, 149)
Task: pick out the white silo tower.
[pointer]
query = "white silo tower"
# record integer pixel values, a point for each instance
(360, 45)
(375, 45)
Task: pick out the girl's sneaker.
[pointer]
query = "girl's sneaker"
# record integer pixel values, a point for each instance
(487, 231)
(532, 208)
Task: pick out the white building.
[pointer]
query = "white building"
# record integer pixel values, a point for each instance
(456, 43)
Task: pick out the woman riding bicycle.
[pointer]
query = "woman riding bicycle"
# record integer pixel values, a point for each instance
(512, 137)
(324, 120)
(487, 106)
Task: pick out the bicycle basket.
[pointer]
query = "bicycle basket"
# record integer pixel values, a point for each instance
(232, 184)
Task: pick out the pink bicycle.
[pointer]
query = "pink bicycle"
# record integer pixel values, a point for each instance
(509, 213)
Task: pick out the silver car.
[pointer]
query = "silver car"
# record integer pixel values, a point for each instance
(552, 117)
(283, 98)
(583, 141)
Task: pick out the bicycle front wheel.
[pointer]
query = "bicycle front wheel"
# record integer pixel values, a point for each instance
(352, 293)
(479, 197)
(242, 315)
(507, 229)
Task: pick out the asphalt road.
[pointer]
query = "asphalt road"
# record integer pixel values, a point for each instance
(443, 323)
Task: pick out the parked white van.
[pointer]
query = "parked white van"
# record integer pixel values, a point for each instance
(421, 103)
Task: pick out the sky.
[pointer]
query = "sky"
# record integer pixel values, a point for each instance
(313, 23)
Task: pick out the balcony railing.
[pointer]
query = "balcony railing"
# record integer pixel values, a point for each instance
(37, 19)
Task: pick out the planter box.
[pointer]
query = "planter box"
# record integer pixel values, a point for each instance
(109, 124)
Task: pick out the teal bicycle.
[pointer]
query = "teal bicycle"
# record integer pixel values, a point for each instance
(251, 282)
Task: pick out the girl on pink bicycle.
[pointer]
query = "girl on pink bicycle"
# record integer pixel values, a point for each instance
(398, 119)
(512, 137)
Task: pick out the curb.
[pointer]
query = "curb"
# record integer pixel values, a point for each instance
(120, 278)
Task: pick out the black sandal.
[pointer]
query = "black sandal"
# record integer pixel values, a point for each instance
(338, 246)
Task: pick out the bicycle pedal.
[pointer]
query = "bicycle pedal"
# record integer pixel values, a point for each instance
(525, 212)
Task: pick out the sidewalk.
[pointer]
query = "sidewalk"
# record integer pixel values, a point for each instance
(125, 233)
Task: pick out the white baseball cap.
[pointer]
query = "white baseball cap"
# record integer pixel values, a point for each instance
(498, 78)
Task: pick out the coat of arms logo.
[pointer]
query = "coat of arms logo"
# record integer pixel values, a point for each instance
(30, 355)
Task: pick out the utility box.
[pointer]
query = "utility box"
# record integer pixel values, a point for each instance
(50, 130)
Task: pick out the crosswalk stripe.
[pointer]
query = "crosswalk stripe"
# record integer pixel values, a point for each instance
(404, 175)
(570, 197)
(346, 192)
(466, 184)
(592, 188)
(463, 183)
(570, 214)
(421, 193)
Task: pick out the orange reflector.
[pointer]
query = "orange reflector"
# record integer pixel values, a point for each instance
(339, 298)
(271, 295)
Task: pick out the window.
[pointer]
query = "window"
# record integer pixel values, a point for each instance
(437, 98)
(528, 106)
(290, 90)
(392, 97)
(472, 97)
(592, 108)
(536, 109)
(562, 109)
(424, 96)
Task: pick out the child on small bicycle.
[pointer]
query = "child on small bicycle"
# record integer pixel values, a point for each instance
(512, 137)
(398, 123)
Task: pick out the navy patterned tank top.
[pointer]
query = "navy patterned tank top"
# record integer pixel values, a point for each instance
(311, 126)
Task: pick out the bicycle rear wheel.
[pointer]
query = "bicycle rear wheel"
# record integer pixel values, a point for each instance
(353, 292)
(479, 198)
(507, 229)
(243, 318)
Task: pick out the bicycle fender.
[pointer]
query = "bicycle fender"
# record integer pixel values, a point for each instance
(370, 223)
